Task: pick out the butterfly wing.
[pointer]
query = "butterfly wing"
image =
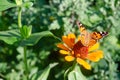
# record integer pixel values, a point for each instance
(85, 35)
(95, 36)
(89, 39)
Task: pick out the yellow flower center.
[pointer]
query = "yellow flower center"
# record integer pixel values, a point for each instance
(80, 50)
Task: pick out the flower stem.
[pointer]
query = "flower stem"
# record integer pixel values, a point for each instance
(25, 63)
(70, 69)
(74, 64)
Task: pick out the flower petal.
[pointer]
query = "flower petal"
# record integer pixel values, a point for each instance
(94, 47)
(62, 46)
(84, 63)
(69, 58)
(72, 37)
(95, 56)
(67, 41)
(64, 52)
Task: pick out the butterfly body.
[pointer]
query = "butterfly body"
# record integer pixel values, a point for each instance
(89, 39)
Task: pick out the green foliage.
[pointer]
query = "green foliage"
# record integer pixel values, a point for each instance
(25, 31)
(76, 74)
(3, 66)
(5, 4)
(10, 36)
(42, 75)
(34, 38)
(50, 19)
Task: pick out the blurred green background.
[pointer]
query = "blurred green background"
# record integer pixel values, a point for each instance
(59, 16)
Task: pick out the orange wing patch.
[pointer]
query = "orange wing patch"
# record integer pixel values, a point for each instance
(98, 35)
(87, 38)
(95, 36)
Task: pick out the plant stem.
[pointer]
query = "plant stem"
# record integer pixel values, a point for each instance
(70, 69)
(74, 64)
(25, 47)
(25, 62)
(19, 17)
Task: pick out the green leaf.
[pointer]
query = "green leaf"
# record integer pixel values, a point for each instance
(44, 54)
(26, 31)
(28, 4)
(35, 37)
(95, 18)
(10, 37)
(3, 67)
(76, 74)
(5, 4)
(43, 75)
(54, 25)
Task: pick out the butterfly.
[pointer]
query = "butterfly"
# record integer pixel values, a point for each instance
(87, 38)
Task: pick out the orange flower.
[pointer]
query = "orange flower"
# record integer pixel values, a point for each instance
(75, 50)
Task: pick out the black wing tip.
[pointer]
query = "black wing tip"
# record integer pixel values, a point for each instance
(104, 33)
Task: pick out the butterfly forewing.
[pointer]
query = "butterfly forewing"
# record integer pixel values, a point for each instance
(85, 38)
(96, 35)
(85, 35)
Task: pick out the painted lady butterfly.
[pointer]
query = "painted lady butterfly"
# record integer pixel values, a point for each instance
(87, 38)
